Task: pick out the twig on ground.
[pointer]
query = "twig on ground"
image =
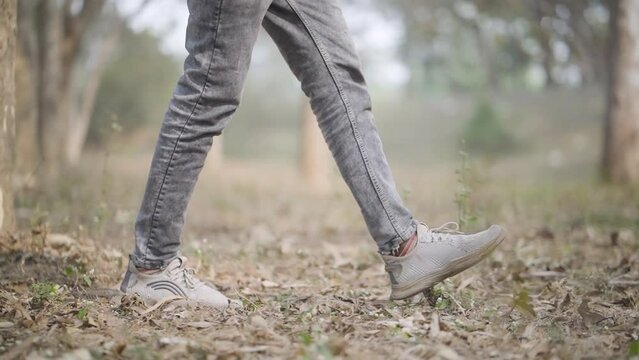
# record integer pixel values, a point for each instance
(159, 304)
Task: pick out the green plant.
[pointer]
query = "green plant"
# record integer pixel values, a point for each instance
(82, 313)
(104, 212)
(485, 133)
(633, 349)
(44, 292)
(465, 216)
(79, 273)
(306, 338)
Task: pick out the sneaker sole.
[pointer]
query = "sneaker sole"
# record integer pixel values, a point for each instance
(401, 292)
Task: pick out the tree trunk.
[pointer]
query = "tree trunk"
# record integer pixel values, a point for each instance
(51, 34)
(82, 110)
(7, 111)
(315, 158)
(51, 97)
(621, 143)
(26, 152)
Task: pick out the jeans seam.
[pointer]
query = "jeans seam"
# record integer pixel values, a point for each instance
(177, 141)
(349, 113)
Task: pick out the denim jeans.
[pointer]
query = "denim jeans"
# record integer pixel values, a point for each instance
(315, 42)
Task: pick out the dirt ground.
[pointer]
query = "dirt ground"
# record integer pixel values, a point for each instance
(565, 283)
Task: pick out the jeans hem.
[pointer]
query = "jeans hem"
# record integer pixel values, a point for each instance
(148, 264)
(393, 244)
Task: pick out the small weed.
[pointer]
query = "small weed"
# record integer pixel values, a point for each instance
(44, 292)
(79, 273)
(251, 305)
(306, 338)
(83, 313)
(465, 216)
(442, 303)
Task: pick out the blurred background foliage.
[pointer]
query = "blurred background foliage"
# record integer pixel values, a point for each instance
(133, 98)
(466, 49)
(528, 86)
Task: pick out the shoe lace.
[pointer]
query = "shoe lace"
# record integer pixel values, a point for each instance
(186, 275)
(441, 233)
(190, 279)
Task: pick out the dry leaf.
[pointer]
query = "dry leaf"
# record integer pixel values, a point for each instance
(589, 316)
(565, 302)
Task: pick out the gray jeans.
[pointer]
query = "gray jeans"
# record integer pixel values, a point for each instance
(315, 42)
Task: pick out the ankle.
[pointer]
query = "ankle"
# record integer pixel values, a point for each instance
(406, 246)
(148, 271)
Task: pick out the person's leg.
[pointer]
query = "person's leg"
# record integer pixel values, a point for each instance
(313, 38)
(220, 39)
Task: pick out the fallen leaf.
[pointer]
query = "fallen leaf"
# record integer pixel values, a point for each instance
(523, 304)
(588, 314)
(565, 302)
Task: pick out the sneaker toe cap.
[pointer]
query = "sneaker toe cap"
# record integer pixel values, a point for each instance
(486, 237)
(211, 297)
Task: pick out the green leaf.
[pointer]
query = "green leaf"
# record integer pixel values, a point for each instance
(442, 303)
(70, 270)
(633, 348)
(87, 279)
(82, 313)
(522, 303)
(306, 337)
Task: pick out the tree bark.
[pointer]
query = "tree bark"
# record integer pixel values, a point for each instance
(51, 35)
(7, 111)
(81, 111)
(51, 97)
(621, 129)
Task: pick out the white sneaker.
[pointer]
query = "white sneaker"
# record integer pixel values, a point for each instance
(175, 280)
(438, 254)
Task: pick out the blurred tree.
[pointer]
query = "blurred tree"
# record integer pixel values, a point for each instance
(7, 111)
(580, 25)
(487, 43)
(621, 143)
(51, 34)
(136, 85)
(53, 40)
